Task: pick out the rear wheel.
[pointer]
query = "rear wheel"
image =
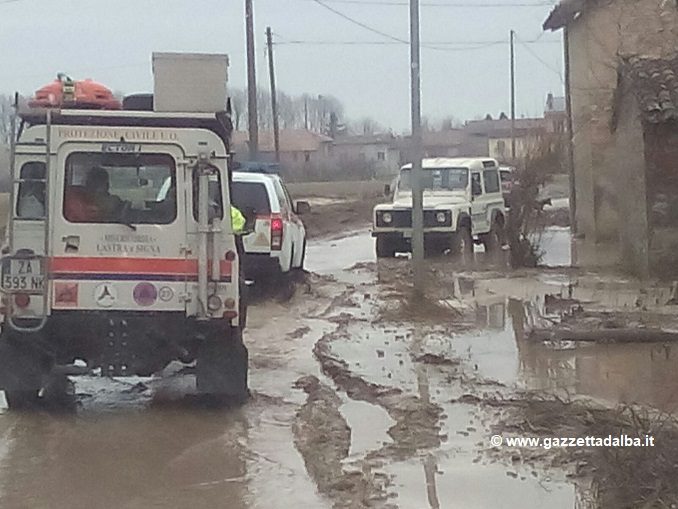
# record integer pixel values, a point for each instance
(221, 368)
(385, 247)
(22, 400)
(303, 256)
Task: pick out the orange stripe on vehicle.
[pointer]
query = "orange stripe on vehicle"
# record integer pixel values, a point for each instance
(80, 265)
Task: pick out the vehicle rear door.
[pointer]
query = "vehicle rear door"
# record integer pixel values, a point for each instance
(252, 197)
(132, 253)
(478, 204)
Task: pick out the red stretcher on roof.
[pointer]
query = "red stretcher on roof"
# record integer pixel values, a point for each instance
(67, 93)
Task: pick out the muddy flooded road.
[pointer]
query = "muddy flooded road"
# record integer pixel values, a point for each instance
(358, 399)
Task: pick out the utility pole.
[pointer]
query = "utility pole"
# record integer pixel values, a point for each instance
(417, 193)
(513, 96)
(570, 133)
(274, 100)
(306, 112)
(251, 83)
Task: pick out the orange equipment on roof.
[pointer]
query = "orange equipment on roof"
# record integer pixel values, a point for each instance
(67, 93)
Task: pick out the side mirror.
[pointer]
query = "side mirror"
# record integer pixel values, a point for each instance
(303, 207)
(387, 190)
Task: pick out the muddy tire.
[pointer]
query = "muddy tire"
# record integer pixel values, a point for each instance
(22, 370)
(221, 369)
(22, 400)
(385, 247)
(303, 257)
(462, 242)
(495, 239)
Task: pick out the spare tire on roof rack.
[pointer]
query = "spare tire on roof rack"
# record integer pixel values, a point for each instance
(65, 92)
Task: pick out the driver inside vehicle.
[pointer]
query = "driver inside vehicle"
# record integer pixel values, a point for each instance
(97, 187)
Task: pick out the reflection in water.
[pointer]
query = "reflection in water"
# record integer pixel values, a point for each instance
(152, 458)
(616, 373)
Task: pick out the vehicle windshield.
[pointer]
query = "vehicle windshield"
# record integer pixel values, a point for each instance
(443, 179)
(120, 188)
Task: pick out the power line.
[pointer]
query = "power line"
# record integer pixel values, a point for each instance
(541, 60)
(360, 23)
(400, 3)
(470, 43)
(433, 46)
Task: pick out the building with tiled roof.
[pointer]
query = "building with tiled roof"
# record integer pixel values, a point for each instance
(621, 75)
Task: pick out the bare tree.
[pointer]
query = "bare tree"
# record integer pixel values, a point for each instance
(5, 118)
(367, 126)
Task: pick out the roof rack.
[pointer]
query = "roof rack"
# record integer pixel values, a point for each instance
(219, 123)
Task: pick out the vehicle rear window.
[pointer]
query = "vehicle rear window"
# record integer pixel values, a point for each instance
(491, 178)
(119, 188)
(251, 195)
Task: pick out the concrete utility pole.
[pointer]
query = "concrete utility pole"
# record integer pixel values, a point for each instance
(251, 83)
(513, 96)
(274, 99)
(417, 193)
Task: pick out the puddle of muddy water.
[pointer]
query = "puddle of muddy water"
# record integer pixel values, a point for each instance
(612, 373)
(445, 482)
(557, 246)
(369, 427)
(332, 256)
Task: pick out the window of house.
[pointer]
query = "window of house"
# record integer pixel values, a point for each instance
(307, 157)
(381, 156)
(501, 147)
(491, 178)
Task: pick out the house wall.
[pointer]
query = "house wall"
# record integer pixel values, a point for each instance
(631, 184)
(500, 148)
(379, 156)
(661, 154)
(607, 31)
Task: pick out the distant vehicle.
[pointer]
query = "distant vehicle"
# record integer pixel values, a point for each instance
(257, 167)
(278, 243)
(462, 200)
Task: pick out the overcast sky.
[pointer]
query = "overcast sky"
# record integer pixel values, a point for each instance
(112, 41)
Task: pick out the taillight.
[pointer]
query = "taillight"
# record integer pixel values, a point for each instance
(22, 300)
(276, 233)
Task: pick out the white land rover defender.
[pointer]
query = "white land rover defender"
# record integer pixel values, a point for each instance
(97, 269)
(462, 201)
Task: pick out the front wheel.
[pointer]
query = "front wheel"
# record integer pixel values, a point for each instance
(221, 368)
(462, 242)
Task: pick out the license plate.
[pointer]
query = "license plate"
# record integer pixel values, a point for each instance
(23, 275)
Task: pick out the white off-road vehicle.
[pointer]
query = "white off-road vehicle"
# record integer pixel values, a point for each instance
(462, 202)
(97, 269)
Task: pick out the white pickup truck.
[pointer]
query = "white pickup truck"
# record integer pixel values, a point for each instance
(463, 202)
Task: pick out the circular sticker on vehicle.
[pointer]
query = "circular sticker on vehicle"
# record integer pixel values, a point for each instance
(166, 294)
(145, 294)
(105, 295)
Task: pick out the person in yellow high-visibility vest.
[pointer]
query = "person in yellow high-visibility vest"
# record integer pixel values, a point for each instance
(238, 221)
